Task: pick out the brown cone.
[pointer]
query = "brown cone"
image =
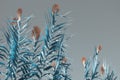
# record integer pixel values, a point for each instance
(55, 8)
(19, 13)
(53, 64)
(36, 32)
(102, 70)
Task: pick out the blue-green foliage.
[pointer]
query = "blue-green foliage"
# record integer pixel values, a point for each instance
(16, 40)
(26, 59)
(92, 71)
(53, 51)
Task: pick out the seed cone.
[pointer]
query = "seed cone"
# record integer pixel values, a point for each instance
(19, 13)
(64, 60)
(36, 32)
(83, 61)
(55, 8)
(53, 64)
(102, 70)
(99, 48)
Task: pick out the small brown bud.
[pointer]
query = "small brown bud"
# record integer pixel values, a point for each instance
(19, 13)
(64, 60)
(102, 70)
(36, 32)
(99, 48)
(83, 61)
(55, 8)
(53, 64)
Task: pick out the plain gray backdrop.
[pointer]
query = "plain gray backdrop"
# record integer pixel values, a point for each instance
(93, 22)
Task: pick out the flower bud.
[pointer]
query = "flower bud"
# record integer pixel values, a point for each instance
(102, 70)
(55, 8)
(99, 48)
(36, 33)
(83, 61)
(19, 13)
(53, 64)
(64, 60)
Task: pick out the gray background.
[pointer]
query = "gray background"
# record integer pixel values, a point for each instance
(94, 22)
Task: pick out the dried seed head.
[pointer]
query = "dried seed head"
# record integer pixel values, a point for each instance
(19, 13)
(83, 61)
(99, 48)
(102, 70)
(64, 60)
(55, 8)
(53, 64)
(36, 32)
